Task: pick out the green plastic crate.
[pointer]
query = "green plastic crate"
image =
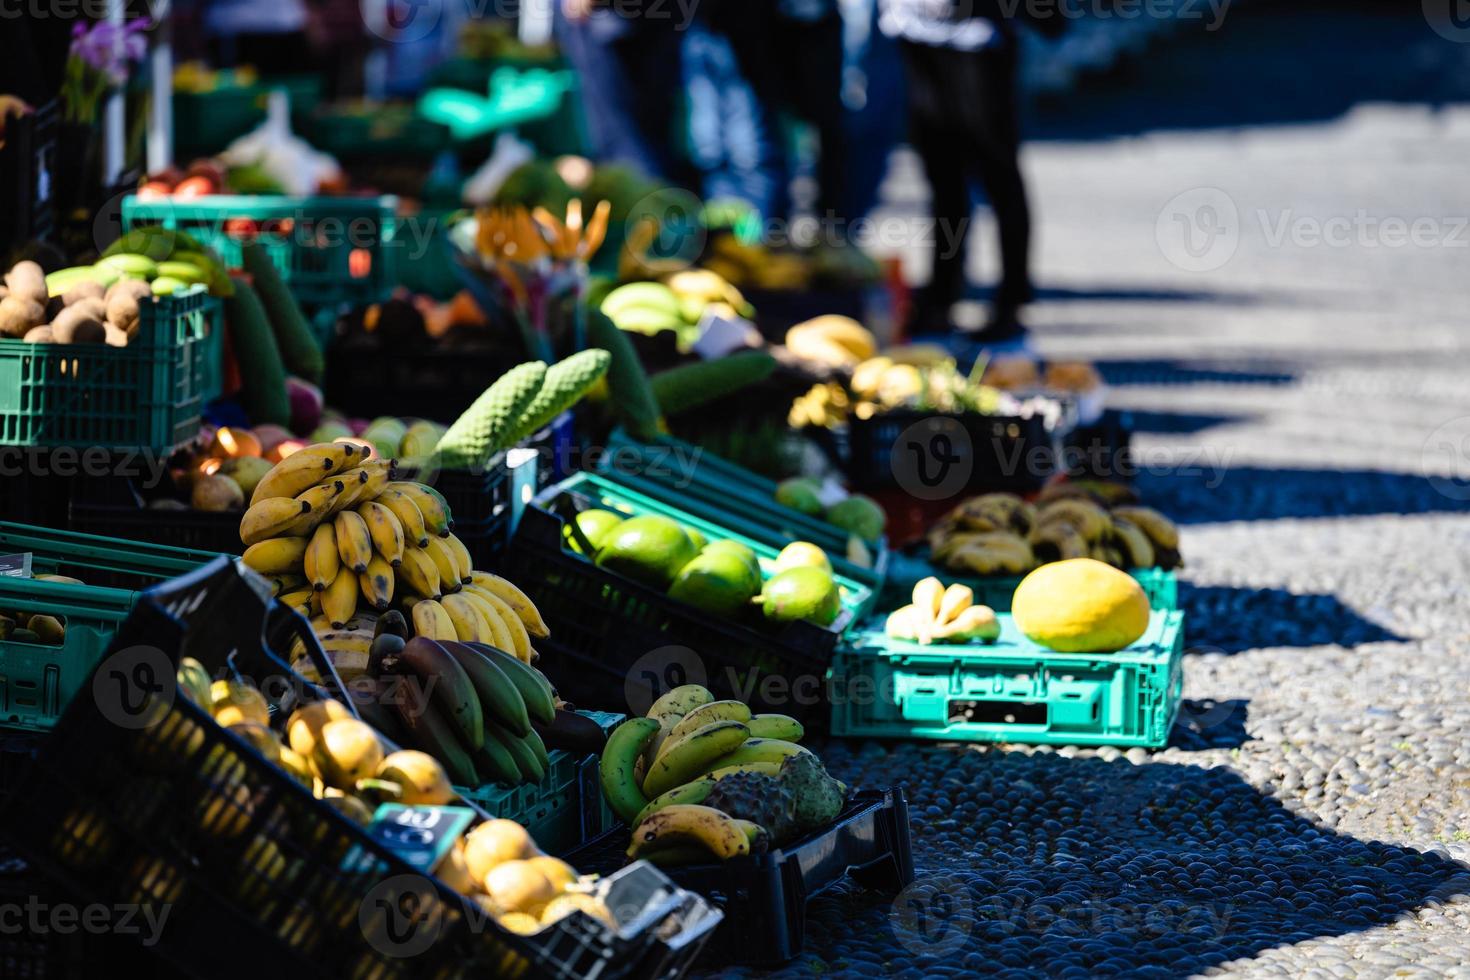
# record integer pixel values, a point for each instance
(207, 122)
(609, 492)
(37, 681)
(1161, 585)
(147, 395)
(311, 240)
(744, 500)
(1012, 690)
(566, 809)
(385, 132)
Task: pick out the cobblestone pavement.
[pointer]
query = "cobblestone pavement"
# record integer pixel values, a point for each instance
(1302, 410)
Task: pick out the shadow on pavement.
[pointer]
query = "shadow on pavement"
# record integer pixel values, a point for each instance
(1185, 372)
(1179, 423)
(1210, 724)
(1256, 493)
(1038, 865)
(1226, 619)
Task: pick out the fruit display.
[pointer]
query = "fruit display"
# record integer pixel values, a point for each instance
(721, 577)
(757, 266)
(699, 780)
(677, 304)
(349, 765)
(1002, 534)
(943, 615)
(97, 304)
(1080, 605)
(858, 515)
(20, 626)
(1019, 373)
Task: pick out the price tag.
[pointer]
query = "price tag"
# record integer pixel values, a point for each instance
(420, 835)
(15, 566)
(719, 336)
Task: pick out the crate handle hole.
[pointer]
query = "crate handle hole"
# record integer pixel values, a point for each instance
(1000, 712)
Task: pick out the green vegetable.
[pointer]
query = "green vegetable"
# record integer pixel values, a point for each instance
(566, 382)
(487, 425)
(262, 375)
(299, 350)
(627, 382)
(691, 385)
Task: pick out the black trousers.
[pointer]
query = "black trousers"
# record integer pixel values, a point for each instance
(965, 125)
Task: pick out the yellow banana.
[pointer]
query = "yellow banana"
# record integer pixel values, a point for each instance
(496, 627)
(354, 543)
(339, 600)
(680, 701)
(444, 562)
(276, 556)
(693, 755)
(408, 514)
(386, 531)
(431, 505)
(298, 599)
(462, 559)
(505, 618)
(467, 621)
(704, 715)
(681, 823)
(305, 468)
(759, 768)
(322, 560)
(781, 727)
(377, 583)
(957, 598)
(518, 601)
(270, 517)
(419, 573)
(280, 584)
(363, 483)
(431, 620)
(696, 792)
(928, 597)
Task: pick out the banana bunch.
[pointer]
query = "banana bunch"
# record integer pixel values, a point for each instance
(832, 341)
(1001, 534)
(340, 541)
(663, 774)
(698, 289)
(826, 405)
(945, 615)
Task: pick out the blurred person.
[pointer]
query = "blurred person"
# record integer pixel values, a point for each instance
(629, 69)
(961, 66)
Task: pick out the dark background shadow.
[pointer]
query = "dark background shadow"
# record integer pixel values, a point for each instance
(1228, 619)
(1179, 423)
(1034, 866)
(1210, 724)
(1255, 493)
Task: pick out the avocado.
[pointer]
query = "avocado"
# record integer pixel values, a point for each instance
(799, 494)
(802, 593)
(650, 549)
(720, 583)
(744, 552)
(595, 526)
(860, 515)
(803, 554)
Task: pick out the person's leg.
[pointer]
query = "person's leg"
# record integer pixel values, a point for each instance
(992, 133)
(748, 27)
(937, 142)
(812, 58)
(650, 57)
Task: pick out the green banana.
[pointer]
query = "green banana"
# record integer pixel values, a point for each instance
(522, 750)
(448, 686)
(781, 727)
(618, 767)
(681, 701)
(428, 731)
(693, 755)
(535, 689)
(755, 750)
(495, 764)
(500, 698)
(695, 792)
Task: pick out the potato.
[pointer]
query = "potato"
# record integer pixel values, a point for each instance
(18, 315)
(28, 281)
(76, 325)
(40, 335)
(122, 304)
(116, 336)
(92, 307)
(84, 290)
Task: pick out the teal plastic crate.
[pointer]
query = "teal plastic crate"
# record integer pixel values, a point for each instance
(1011, 691)
(609, 492)
(38, 681)
(148, 395)
(566, 809)
(732, 494)
(1161, 585)
(330, 250)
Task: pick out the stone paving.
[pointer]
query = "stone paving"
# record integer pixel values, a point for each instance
(1303, 412)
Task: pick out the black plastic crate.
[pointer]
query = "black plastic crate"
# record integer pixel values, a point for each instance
(116, 509)
(616, 643)
(435, 381)
(778, 310)
(1102, 450)
(142, 798)
(28, 177)
(764, 897)
(963, 454)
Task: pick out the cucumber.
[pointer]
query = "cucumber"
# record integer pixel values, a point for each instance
(631, 395)
(298, 348)
(262, 375)
(692, 385)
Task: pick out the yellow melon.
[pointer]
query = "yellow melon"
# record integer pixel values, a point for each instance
(1080, 606)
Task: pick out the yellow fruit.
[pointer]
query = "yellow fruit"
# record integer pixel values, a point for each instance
(519, 886)
(519, 923)
(306, 723)
(347, 750)
(1080, 606)
(453, 871)
(557, 871)
(232, 702)
(495, 842)
(422, 778)
(564, 905)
